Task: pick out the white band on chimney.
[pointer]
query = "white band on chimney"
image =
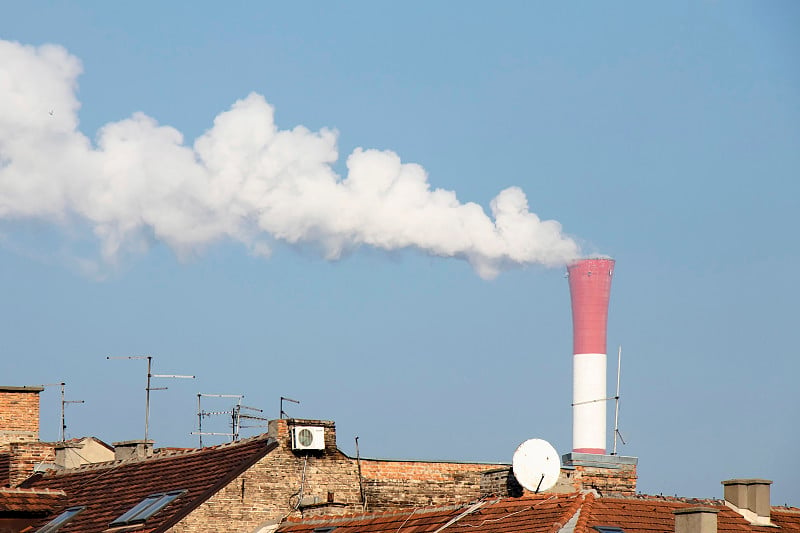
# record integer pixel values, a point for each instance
(589, 403)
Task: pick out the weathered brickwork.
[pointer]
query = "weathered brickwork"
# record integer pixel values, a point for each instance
(306, 484)
(17, 460)
(392, 484)
(500, 482)
(606, 481)
(607, 474)
(274, 486)
(19, 414)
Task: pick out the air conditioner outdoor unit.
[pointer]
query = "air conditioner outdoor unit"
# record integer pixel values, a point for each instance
(308, 438)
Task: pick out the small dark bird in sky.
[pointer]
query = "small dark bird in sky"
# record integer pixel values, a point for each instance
(51, 112)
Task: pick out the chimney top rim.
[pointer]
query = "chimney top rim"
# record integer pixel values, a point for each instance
(27, 388)
(746, 481)
(132, 442)
(693, 510)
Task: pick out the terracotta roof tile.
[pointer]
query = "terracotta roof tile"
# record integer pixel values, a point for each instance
(534, 513)
(33, 501)
(110, 489)
(655, 514)
(547, 513)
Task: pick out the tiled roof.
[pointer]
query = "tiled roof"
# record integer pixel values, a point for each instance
(108, 490)
(535, 513)
(548, 514)
(654, 514)
(30, 501)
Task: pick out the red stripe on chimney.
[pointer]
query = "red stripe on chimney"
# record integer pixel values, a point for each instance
(590, 288)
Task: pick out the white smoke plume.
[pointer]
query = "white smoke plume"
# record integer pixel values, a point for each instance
(244, 179)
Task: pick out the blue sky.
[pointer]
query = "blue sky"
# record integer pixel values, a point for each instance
(666, 136)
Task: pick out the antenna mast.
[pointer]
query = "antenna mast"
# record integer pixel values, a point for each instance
(148, 388)
(616, 406)
(285, 399)
(64, 403)
(235, 412)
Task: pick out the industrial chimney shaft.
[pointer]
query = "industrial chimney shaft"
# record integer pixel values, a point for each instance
(590, 289)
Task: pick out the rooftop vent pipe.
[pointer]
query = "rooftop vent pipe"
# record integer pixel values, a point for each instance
(590, 289)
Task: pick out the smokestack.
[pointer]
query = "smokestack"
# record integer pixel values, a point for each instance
(590, 288)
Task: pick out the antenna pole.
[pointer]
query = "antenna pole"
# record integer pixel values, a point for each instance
(199, 420)
(285, 399)
(63, 423)
(616, 398)
(148, 388)
(64, 403)
(147, 400)
(235, 414)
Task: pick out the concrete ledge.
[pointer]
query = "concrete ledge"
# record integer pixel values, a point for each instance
(597, 460)
(21, 389)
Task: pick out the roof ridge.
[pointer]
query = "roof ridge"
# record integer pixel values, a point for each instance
(172, 454)
(585, 510)
(569, 512)
(30, 490)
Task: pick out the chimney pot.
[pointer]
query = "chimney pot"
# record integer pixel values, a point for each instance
(696, 520)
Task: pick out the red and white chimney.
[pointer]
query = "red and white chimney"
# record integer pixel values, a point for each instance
(590, 288)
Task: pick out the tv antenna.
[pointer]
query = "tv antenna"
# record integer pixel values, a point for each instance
(616, 406)
(148, 388)
(285, 399)
(235, 413)
(64, 403)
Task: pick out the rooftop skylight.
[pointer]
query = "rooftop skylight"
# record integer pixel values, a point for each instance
(60, 520)
(609, 529)
(147, 508)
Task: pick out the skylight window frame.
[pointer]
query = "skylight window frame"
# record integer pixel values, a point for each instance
(146, 508)
(608, 529)
(65, 517)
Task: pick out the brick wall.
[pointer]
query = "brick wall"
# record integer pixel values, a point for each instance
(607, 474)
(606, 481)
(19, 414)
(392, 484)
(17, 460)
(500, 482)
(270, 489)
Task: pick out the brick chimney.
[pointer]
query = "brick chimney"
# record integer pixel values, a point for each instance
(133, 449)
(696, 520)
(20, 450)
(19, 414)
(749, 498)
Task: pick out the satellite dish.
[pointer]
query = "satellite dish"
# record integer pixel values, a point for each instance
(536, 465)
